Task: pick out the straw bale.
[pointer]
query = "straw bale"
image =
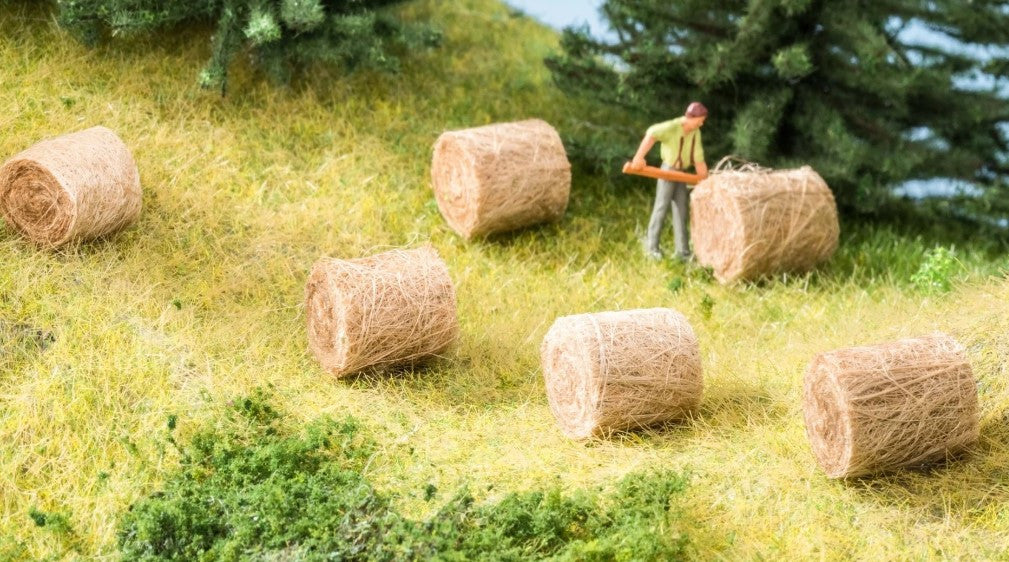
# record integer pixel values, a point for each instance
(396, 307)
(879, 408)
(78, 186)
(752, 222)
(615, 371)
(500, 177)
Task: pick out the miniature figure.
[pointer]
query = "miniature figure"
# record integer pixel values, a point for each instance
(681, 148)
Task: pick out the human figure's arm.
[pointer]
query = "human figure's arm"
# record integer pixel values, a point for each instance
(639, 158)
(702, 168)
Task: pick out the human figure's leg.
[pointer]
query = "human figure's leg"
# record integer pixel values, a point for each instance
(663, 199)
(681, 216)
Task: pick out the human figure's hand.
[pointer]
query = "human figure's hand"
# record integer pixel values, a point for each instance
(702, 169)
(638, 163)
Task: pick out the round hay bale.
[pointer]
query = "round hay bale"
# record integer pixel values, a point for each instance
(753, 222)
(78, 186)
(500, 177)
(614, 371)
(393, 307)
(878, 408)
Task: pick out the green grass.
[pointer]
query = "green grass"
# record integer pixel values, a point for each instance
(202, 301)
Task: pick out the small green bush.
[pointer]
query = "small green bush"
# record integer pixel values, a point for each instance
(707, 306)
(937, 270)
(58, 524)
(252, 489)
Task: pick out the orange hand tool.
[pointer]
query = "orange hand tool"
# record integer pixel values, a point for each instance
(660, 174)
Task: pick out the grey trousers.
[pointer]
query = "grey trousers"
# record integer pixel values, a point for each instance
(669, 194)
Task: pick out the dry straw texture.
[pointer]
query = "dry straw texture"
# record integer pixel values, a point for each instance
(75, 187)
(878, 408)
(500, 177)
(393, 307)
(751, 222)
(614, 371)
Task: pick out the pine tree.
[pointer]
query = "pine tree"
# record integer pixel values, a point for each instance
(282, 35)
(836, 84)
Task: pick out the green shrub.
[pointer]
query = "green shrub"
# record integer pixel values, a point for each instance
(937, 270)
(281, 34)
(707, 306)
(253, 489)
(58, 524)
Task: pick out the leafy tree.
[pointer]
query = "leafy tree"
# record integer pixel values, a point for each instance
(841, 85)
(281, 34)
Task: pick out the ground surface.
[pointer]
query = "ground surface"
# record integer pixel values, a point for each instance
(202, 301)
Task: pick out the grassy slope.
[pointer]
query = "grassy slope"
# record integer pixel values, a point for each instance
(203, 300)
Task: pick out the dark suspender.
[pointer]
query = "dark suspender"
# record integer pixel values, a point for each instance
(679, 153)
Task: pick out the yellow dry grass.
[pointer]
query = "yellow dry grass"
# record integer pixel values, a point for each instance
(203, 301)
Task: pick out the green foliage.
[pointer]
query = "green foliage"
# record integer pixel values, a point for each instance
(675, 284)
(252, 489)
(59, 525)
(707, 306)
(302, 15)
(833, 84)
(54, 520)
(937, 271)
(792, 63)
(281, 34)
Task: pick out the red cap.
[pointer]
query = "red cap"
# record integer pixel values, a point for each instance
(696, 109)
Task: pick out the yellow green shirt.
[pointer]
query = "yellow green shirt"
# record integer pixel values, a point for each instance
(678, 150)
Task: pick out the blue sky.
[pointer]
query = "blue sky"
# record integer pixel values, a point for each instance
(562, 13)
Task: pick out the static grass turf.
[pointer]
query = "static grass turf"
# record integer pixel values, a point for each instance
(202, 301)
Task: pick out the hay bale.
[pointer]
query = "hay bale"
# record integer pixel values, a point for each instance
(78, 186)
(500, 177)
(614, 371)
(393, 307)
(878, 408)
(753, 222)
